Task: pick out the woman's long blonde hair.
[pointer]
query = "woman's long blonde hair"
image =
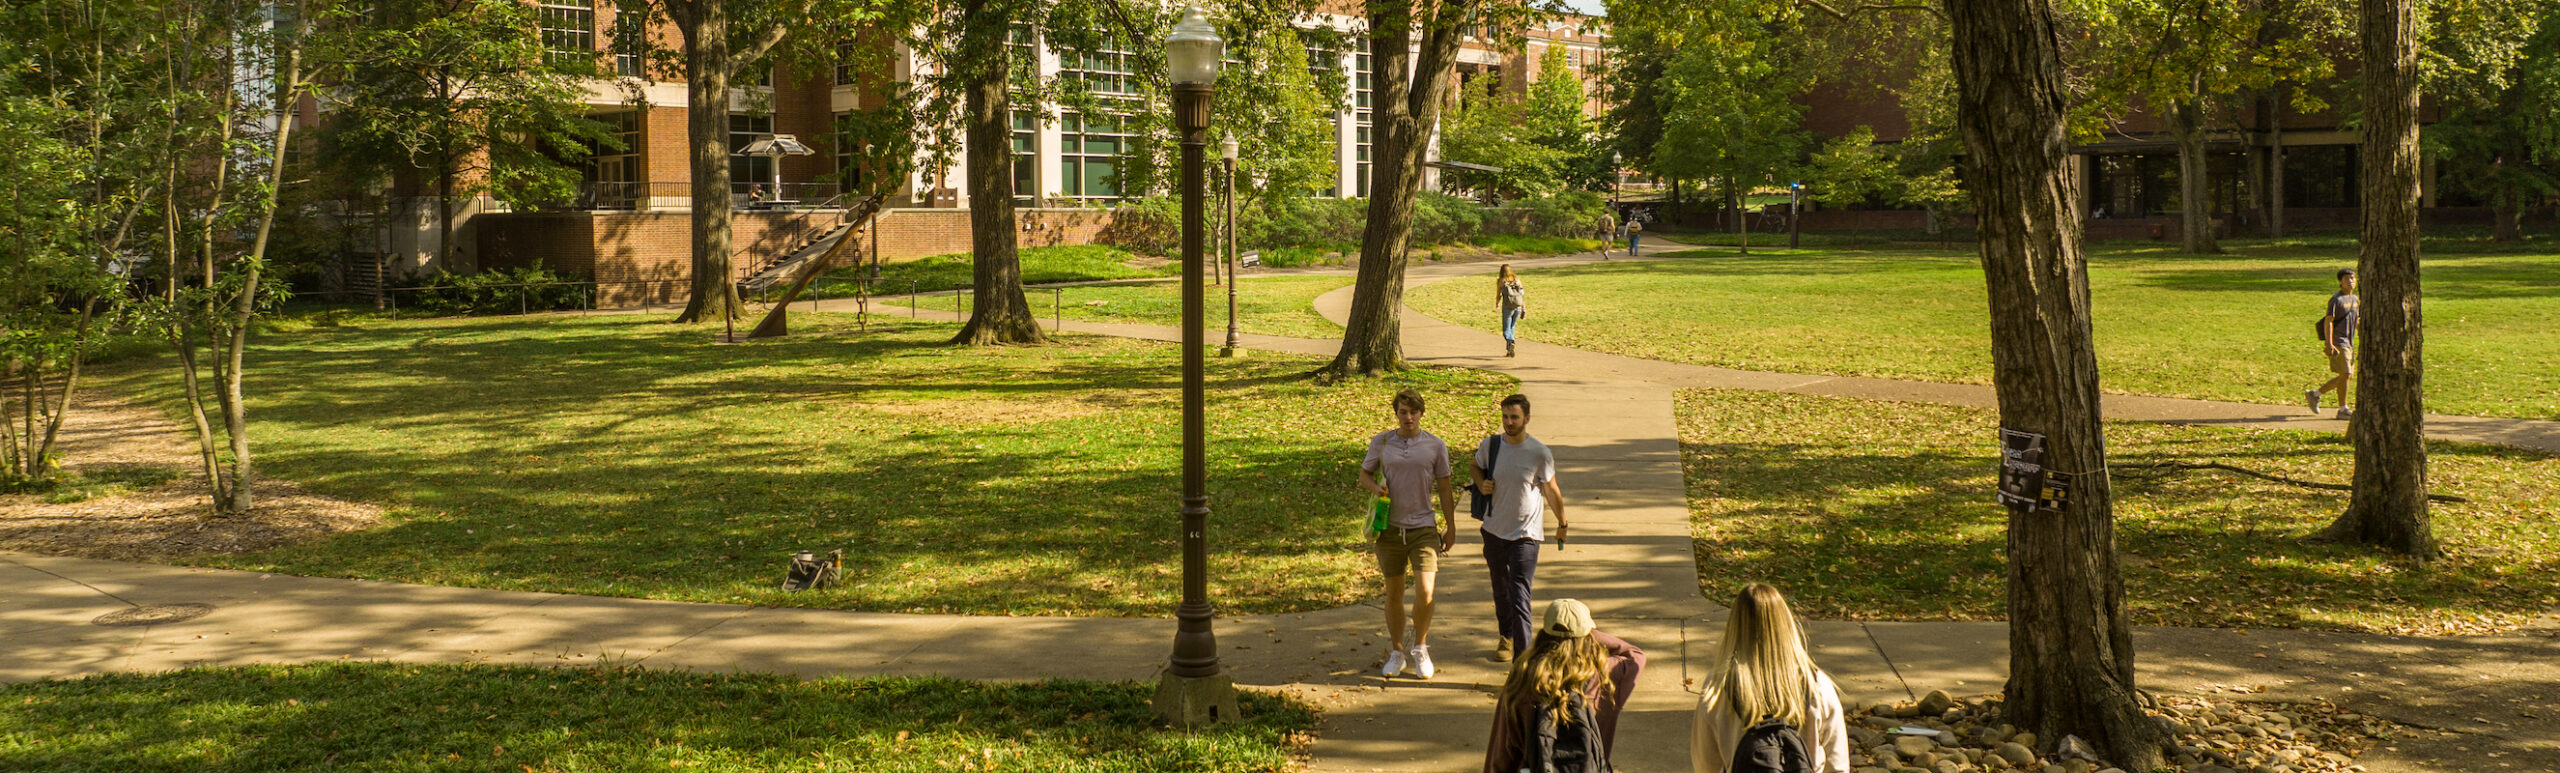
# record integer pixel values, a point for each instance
(1556, 671)
(1505, 278)
(1762, 669)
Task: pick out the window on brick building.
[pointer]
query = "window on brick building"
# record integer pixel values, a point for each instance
(613, 175)
(568, 33)
(630, 45)
(1361, 96)
(749, 170)
(1321, 63)
(1092, 146)
(848, 158)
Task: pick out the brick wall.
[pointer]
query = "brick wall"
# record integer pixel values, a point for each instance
(635, 257)
(915, 233)
(647, 257)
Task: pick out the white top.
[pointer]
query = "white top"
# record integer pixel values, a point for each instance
(1715, 733)
(1519, 510)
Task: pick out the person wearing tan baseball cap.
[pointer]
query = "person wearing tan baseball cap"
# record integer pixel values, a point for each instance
(1570, 667)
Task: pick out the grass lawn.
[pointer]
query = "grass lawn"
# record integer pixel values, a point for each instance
(1040, 265)
(621, 455)
(1873, 510)
(2229, 327)
(385, 716)
(1270, 305)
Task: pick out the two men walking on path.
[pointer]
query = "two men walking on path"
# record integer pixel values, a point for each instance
(1406, 465)
(2338, 339)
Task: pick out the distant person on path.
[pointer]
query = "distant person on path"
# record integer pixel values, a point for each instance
(1635, 228)
(1762, 672)
(1522, 482)
(1507, 293)
(1574, 676)
(1608, 224)
(1406, 465)
(2338, 338)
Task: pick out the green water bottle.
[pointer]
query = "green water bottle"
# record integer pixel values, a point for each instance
(1378, 509)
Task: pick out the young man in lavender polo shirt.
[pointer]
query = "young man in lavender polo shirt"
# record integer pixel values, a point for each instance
(1406, 465)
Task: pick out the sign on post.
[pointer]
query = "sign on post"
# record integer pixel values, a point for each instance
(2024, 482)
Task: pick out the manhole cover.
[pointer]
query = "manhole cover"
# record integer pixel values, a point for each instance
(156, 614)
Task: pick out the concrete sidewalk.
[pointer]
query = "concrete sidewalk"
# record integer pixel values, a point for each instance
(1609, 420)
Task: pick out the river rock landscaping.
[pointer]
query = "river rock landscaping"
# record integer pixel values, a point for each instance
(1941, 733)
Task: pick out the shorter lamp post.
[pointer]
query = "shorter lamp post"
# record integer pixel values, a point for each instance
(1227, 149)
(1193, 692)
(1795, 212)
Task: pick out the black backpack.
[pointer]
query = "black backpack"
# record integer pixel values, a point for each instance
(1557, 747)
(1771, 746)
(809, 572)
(1480, 504)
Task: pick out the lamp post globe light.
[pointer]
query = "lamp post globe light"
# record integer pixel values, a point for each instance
(1193, 692)
(1795, 212)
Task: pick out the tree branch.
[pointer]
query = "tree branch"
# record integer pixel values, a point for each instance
(752, 50)
(2164, 469)
(1836, 13)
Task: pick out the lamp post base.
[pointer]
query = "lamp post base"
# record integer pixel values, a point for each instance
(1195, 702)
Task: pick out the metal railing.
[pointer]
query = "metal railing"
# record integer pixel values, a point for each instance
(747, 196)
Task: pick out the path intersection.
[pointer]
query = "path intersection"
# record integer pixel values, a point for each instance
(1609, 420)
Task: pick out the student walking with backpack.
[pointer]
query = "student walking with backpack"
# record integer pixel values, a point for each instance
(1518, 474)
(1508, 294)
(1766, 708)
(1558, 711)
(2337, 330)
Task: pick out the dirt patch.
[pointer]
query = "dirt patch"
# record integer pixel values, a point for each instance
(162, 522)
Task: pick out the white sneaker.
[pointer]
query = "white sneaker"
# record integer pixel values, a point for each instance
(1422, 661)
(1395, 663)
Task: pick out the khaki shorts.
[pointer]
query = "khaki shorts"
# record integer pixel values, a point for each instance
(2342, 361)
(1402, 551)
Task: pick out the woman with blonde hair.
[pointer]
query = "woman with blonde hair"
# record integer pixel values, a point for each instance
(1762, 672)
(1573, 675)
(1507, 295)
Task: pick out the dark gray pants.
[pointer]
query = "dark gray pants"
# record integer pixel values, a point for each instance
(1513, 564)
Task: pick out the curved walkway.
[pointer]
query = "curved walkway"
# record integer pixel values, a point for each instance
(1609, 419)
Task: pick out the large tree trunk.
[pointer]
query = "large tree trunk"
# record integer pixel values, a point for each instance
(1408, 110)
(705, 24)
(2389, 505)
(2070, 644)
(1001, 315)
(2195, 185)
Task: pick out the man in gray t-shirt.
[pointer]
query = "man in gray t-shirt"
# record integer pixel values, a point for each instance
(1522, 482)
(2338, 340)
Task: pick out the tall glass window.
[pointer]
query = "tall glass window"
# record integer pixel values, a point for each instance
(1360, 97)
(1093, 146)
(568, 33)
(630, 45)
(749, 171)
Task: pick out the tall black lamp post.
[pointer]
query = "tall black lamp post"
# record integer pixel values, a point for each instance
(1193, 692)
(1227, 248)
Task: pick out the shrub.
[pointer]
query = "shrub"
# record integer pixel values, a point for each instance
(496, 291)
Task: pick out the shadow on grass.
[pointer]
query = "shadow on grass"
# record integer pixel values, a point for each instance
(436, 718)
(1883, 511)
(616, 456)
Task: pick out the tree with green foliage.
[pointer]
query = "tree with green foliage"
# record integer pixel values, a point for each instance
(1490, 127)
(1421, 39)
(57, 295)
(464, 92)
(1730, 109)
(2192, 64)
(2498, 75)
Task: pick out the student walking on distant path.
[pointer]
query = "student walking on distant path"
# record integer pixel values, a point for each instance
(1608, 224)
(1407, 465)
(1522, 482)
(1765, 705)
(1507, 294)
(1635, 228)
(2338, 338)
(1559, 708)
